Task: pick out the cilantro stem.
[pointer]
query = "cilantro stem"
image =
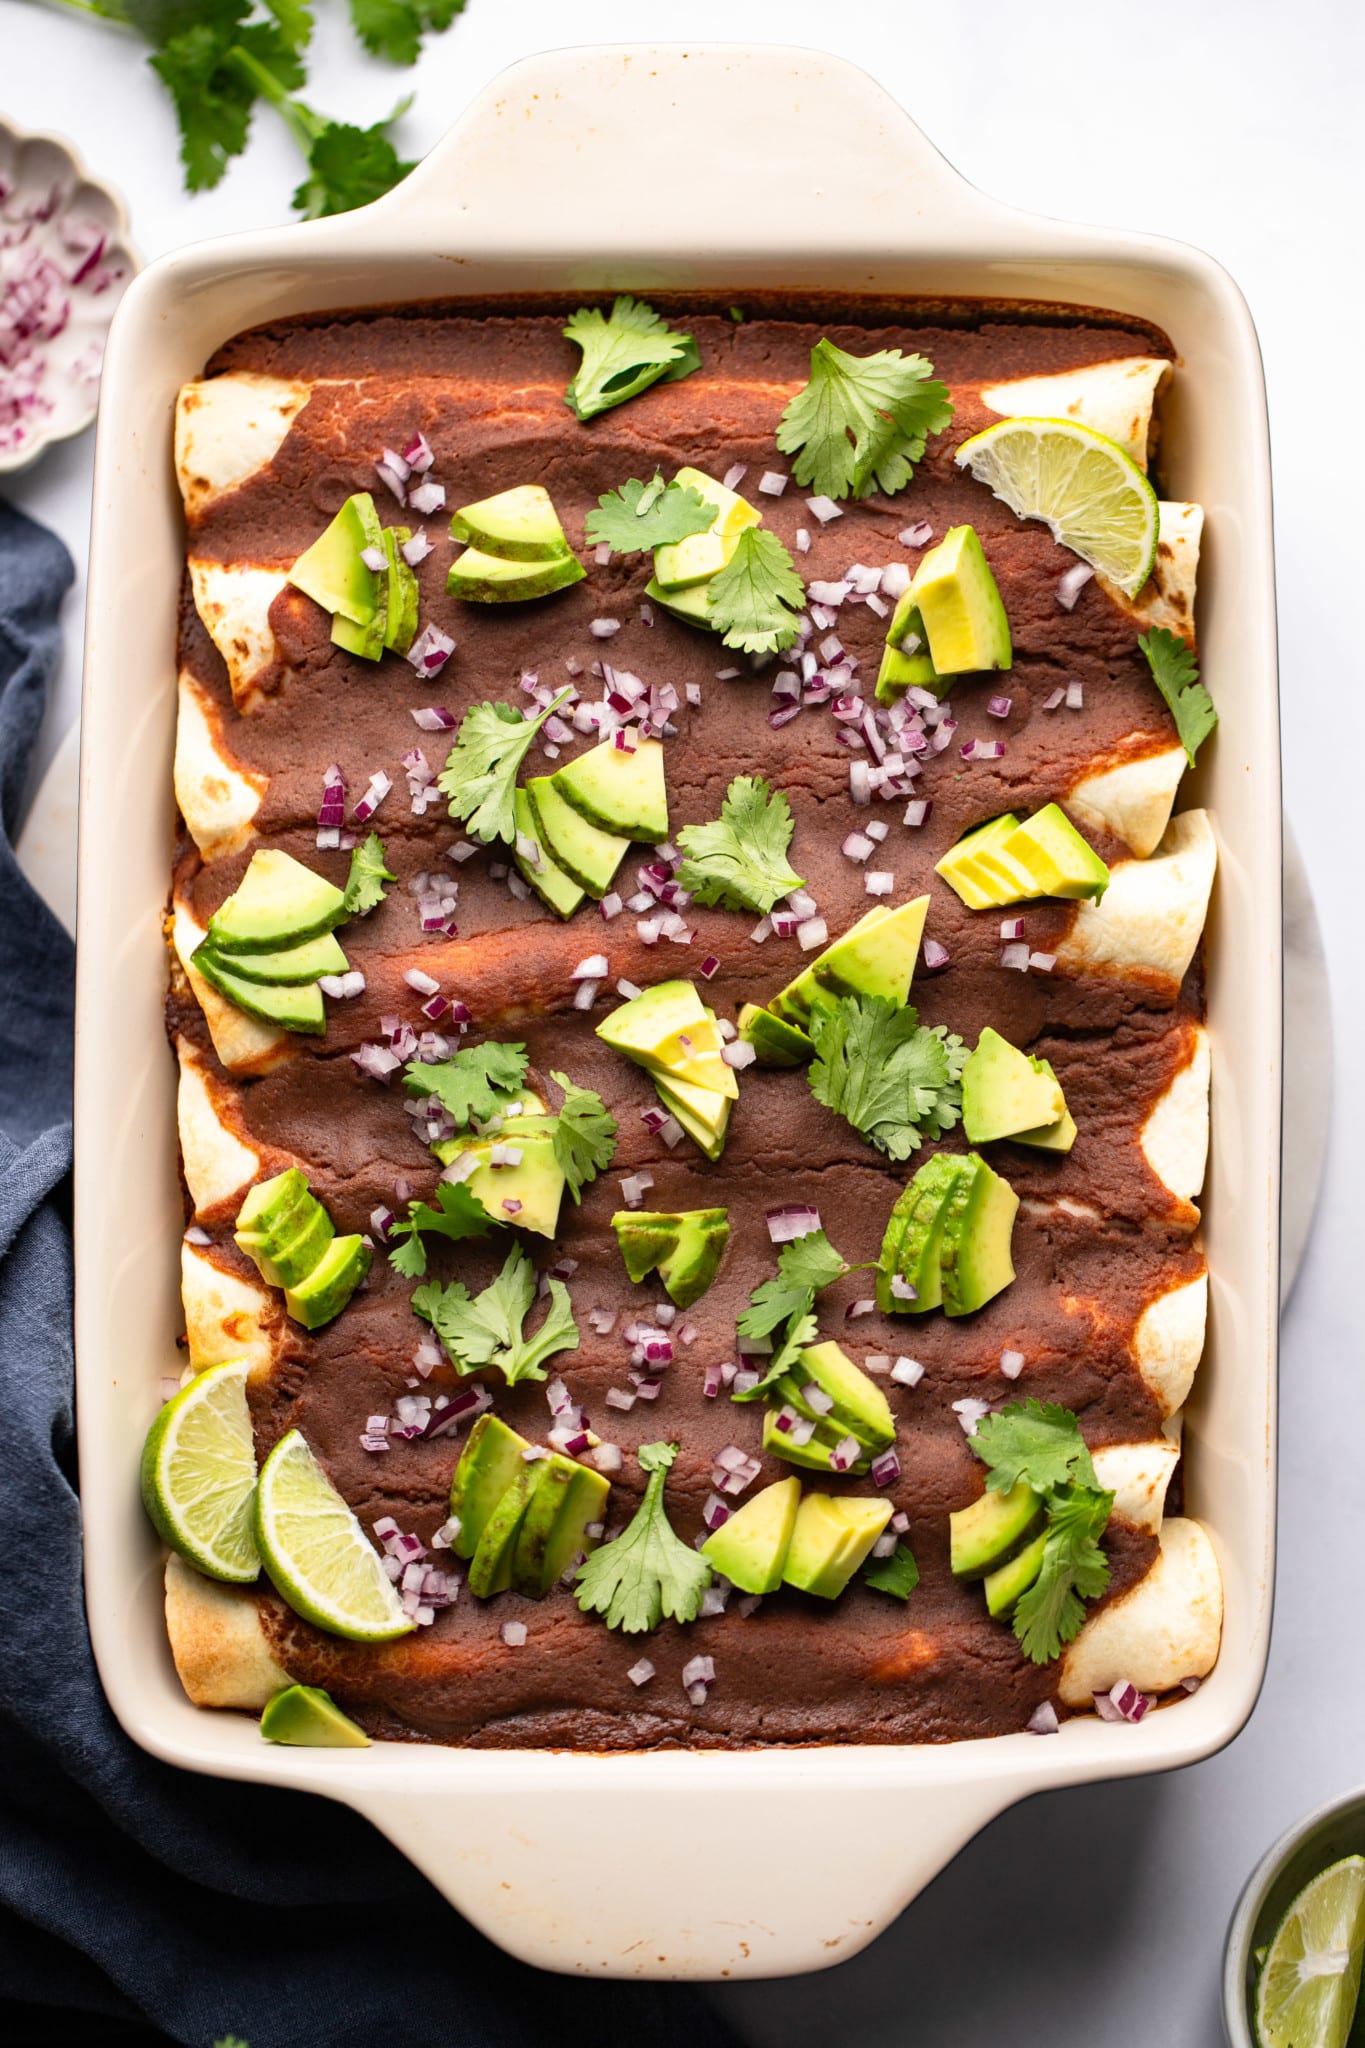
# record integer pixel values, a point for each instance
(303, 124)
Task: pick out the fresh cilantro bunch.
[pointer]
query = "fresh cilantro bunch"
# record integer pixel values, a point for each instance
(805, 1267)
(641, 515)
(480, 775)
(861, 423)
(755, 601)
(624, 352)
(895, 1080)
(740, 861)
(365, 882)
(482, 1330)
(1176, 674)
(1042, 1445)
(648, 1572)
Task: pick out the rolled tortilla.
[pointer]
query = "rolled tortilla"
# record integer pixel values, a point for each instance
(1175, 1138)
(1163, 1629)
(233, 599)
(1132, 798)
(218, 1642)
(227, 428)
(218, 799)
(1148, 923)
(1167, 597)
(218, 1164)
(1168, 1342)
(1138, 1476)
(242, 1043)
(227, 1317)
(1115, 398)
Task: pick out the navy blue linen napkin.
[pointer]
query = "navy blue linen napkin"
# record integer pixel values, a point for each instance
(129, 1889)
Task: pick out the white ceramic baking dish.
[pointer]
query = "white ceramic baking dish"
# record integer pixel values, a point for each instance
(765, 1862)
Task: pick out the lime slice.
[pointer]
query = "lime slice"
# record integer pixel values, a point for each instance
(1083, 485)
(318, 1556)
(199, 1474)
(311, 1719)
(1306, 1996)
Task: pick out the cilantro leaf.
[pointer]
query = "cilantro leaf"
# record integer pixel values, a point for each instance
(893, 1078)
(365, 882)
(350, 166)
(212, 96)
(486, 1329)
(624, 352)
(1034, 1441)
(1176, 674)
(740, 860)
(754, 601)
(804, 1267)
(648, 515)
(585, 1135)
(474, 1083)
(861, 423)
(457, 1214)
(394, 28)
(480, 774)
(898, 1574)
(648, 1571)
(1074, 1569)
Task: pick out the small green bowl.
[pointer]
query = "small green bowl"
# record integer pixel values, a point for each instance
(1326, 1836)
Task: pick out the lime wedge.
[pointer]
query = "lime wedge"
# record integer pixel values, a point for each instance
(318, 1556)
(1080, 483)
(1306, 1996)
(199, 1474)
(311, 1719)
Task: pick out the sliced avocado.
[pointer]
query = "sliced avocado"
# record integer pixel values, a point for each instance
(404, 597)
(490, 579)
(860, 1407)
(537, 1183)
(793, 1004)
(520, 525)
(1055, 1137)
(490, 1461)
(490, 1568)
(685, 1247)
(668, 1030)
(959, 602)
(992, 1529)
(875, 957)
(587, 855)
(293, 1009)
(776, 1043)
(275, 1204)
(548, 880)
(1004, 878)
(331, 571)
(551, 1479)
(831, 1538)
(909, 668)
(921, 1243)
(813, 1455)
(682, 563)
(1005, 1092)
(1052, 851)
(621, 793)
(692, 606)
(958, 865)
(974, 1250)
(750, 1549)
(888, 1258)
(322, 1294)
(645, 1236)
(703, 1112)
(310, 1718)
(1005, 1585)
(291, 967)
(277, 903)
(369, 639)
(286, 1260)
(554, 1530)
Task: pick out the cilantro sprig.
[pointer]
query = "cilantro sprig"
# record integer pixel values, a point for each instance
(647, 515)
(1042, 1445)
(1176, 674)
(456, 1214)
(488, 1329)
(480, 775)
(585, 1135)
(475, 1083)
(624, 352)
(754, 602)
(897, 1574)
(394, 28)
(805, 1267)
(740, 860)
(861, 423)
(648, 1572)
(369, 872)
(897, 1081)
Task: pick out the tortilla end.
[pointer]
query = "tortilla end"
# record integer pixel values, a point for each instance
(228, 428)
(1175, 1138)
(217, 1164)
(218, 799)
(242, 1043)
(1131, 798)
(233, 600)
(1138, 1475)
(1150, 919)
(1115, 398)
(226, 1316)
(1165, 1628)
(1168, 1342)
(218, 1641)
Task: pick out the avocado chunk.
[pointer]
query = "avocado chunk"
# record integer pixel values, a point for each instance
(776, 1043)
(1005, 1092)
(520, 525)
(685, 1247)
(888, 1259)
(682, 563)
(750, 1549)
(490, 1461)
(919, 1251)
(704, 1113)
(1055, 1137)
(367, 639)
(292, 966)
(292, 1008)
(310, 1718)
(277, 903)
(1052, 851)
(959, 865)
(906, 663)
(974, 1250)
(490, 579)
(321, 1296)
(692, 606)
(490, 1568)
(404, 597)
(957, 598)
(1008, 1582)
(992, 1529)
(536, 1183)
(548, 879)
(331, 571)
(668, 1030)
(875, 957)
(831, 1538)
(285, 1261)
(275, 1204)
(814, 1454)
(619, 792)
(588, 855)
(554, 1529)
(860, 1407)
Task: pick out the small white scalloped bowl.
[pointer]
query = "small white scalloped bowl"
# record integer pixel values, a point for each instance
(65, 262)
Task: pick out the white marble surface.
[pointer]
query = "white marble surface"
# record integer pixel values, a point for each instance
(1094, 1915)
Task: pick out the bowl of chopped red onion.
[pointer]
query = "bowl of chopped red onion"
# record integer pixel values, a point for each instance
(64, 264)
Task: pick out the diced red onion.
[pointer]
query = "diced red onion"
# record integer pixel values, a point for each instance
(773, 483)
(375, 793)
(434, 718)
(855, 1309)
(732, 479)
(427, 498)
(421, 982)
(739, 1054)
(877, 1362)
(970, 1413)
(810, 933)
(918, 810)
(634, 1189)
(376, 1061)
(982, 750)
(375, 559)
(936, 957)
(845, 1454)
(641, 1671)
(777, 719)
(628, 989)
(392, 472)
(878, 882)
(194, 1235)
(1043, 1720)
(824, 509)
(342, 986)
(860, 781)
(802, 541)
(999, 707)
(1190, 1684)
(886, 1470)
(430, 651)
(885, 1545)
(603, 629)
(1051, 702)
(513, 1634)
(857, 846)
(714, 1512)
(1072, 584)
(1011, 1364)
(1075, 696)
(917, 536)
(785, 1225)
(1011, 927)
(1042, 963)
(1015, 957)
